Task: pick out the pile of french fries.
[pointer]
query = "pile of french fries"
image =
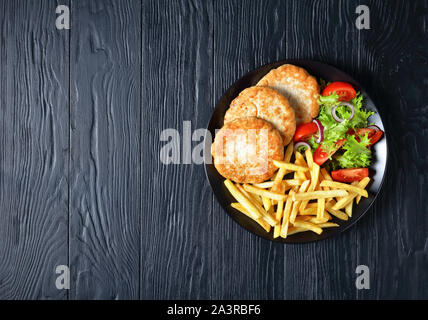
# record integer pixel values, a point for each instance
(307, 201)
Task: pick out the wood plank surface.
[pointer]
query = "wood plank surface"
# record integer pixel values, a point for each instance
(34, 150)
(105, 176)
(176, 198)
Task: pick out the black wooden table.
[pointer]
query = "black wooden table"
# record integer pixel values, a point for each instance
(82, 184)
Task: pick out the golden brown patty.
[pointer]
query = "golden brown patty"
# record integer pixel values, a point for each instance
(267, 104)
(243, 150)
(300, 88)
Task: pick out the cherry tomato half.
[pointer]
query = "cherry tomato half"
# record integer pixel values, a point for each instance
(375, 137)
(305, 131)
(373, 134)
(344, 90)
(321, 156)
(349, 175)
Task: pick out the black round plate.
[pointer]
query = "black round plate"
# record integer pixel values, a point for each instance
(319, 70)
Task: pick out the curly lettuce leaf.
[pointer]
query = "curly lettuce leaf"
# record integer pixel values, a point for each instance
(357, 154)
(334, 131)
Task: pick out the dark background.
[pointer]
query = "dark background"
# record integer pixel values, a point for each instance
(81, 183)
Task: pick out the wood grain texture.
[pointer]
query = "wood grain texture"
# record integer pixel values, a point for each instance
(33, 150)
(176, 199)
(105, 176)
(393, 240)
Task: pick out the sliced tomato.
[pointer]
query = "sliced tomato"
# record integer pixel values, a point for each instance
(373, 134)
(344, 90)
(321, 156)
(349, 175)
(305, 131)
(375, 137)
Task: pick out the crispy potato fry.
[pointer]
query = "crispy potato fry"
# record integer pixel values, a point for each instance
(342, 203)
(348, 208)
(264, 185)
(286, 182)
(289, 166)
(294, 230)
(325, 176)
(310, 211)
(320, 194)
(312, 205)
(286, 216)
(265, 193)
(296, 204)
(337, 213)
(328, 225)
(241, 208)
(279, 213)
(320, 209)
(308, 225)
(267, 204)
(289, 152)
(362, 184)
(314, 181)
(242, 199)
(309, 158)
(251, 196)
(344, 186)
(266, 215)
(317, 221)
(300, 161)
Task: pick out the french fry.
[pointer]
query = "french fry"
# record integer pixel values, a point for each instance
(320, 209)
(252, 197)
(282, 171)
(267, 204)
(289, 152)
(348, 208)
(314, 181)
(265, 193)
(300, 161)
(328, 225)
(310, 211)
(317, 221)
(325, 176)
(266, 215)
(337, 213)
(264, 185)
(309, 158)
(294, 230)
(286, 216)
(289, 166)
(312, 205)
(286, 182)
(242, 199)
(279, 213)
(308, 225)
(363, 183)
(296, 204)
(241, 208)
(319, 194)
(344, 186)
(342, 203)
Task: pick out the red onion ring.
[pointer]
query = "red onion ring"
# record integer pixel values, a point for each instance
(300, 144)
(335, 116)
(320, 131)
(374, 127)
